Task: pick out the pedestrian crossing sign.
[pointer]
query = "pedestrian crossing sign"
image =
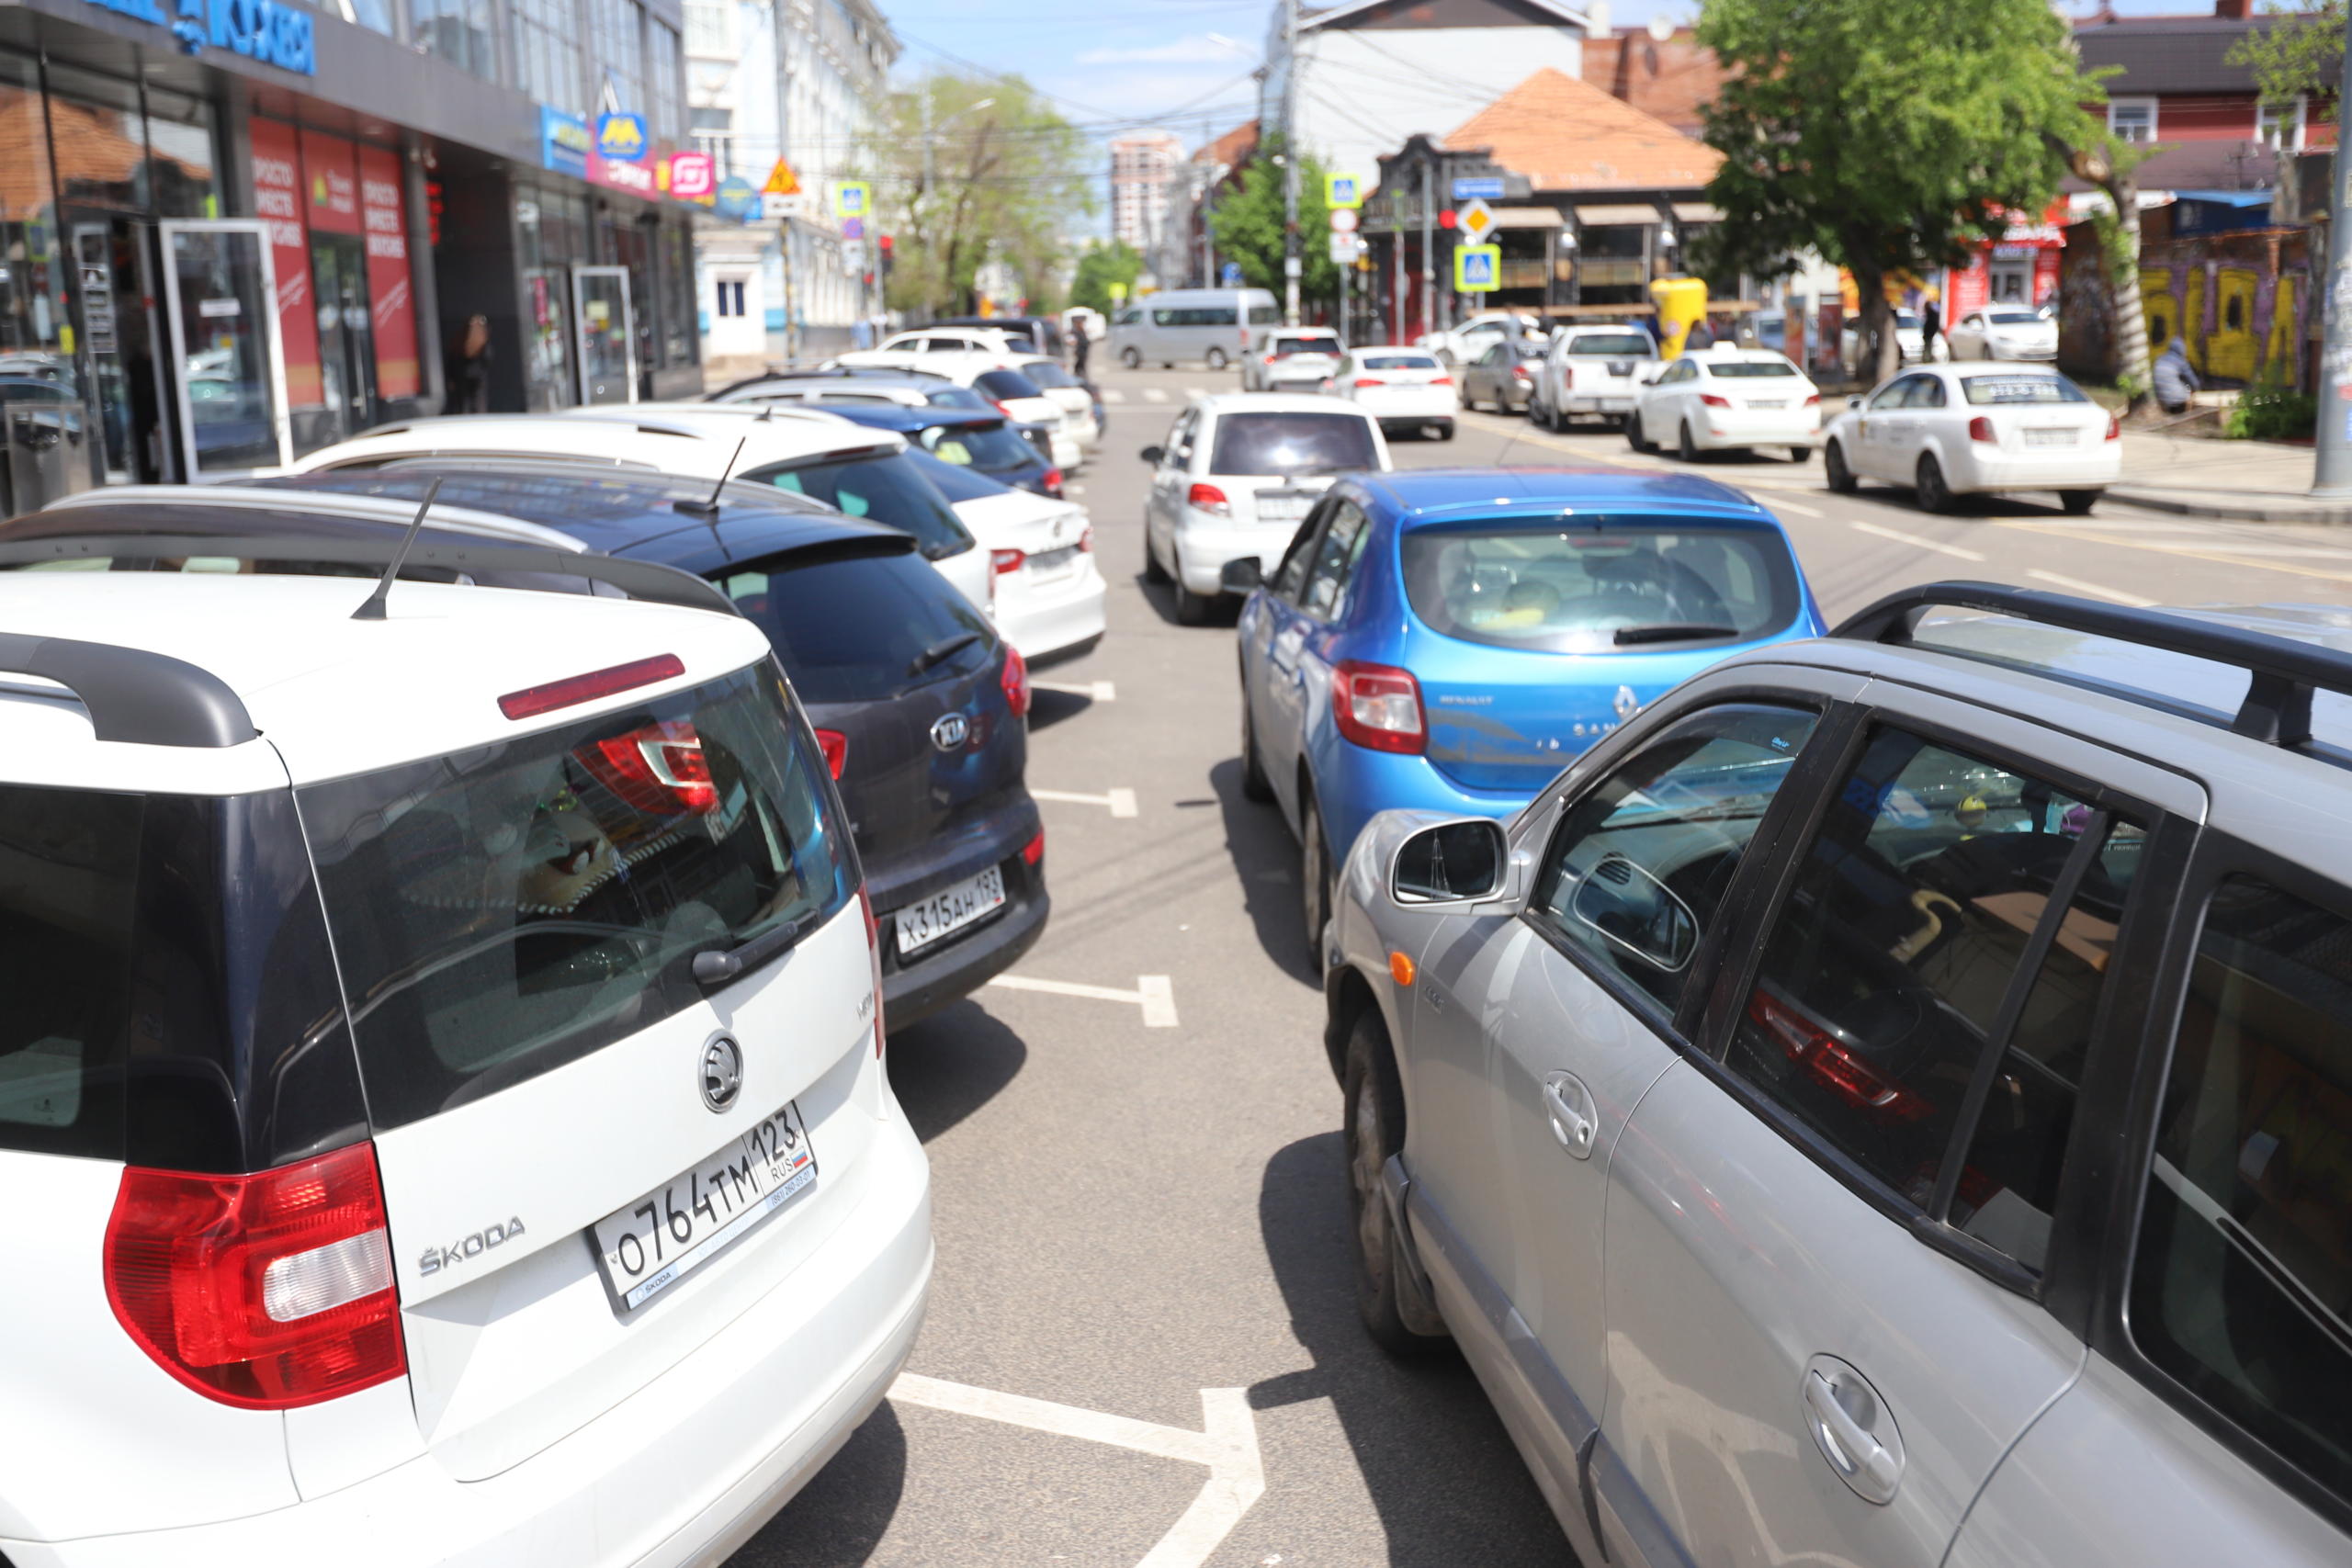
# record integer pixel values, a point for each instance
(782, 181)
(1478, 269)
(1343, 190)
(852, 199)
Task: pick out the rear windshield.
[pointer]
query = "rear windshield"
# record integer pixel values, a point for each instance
(1984, 390)
(993, 447)
(1749, 370)
(954, 397)
(504, 910)
(1616, 587)
(1006, 384)
(1397, 362)
(1293, 443)
(958, 483)
(1284, 348)
(1610, 343)
(889, 491)
(2013, 319)
(1045, 373)
(853, 629)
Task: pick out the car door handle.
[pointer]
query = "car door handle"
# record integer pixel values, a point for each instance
(1573, 1120)
(1852, 1428)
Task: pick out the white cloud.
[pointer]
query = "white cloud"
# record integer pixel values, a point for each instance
(1203, 50)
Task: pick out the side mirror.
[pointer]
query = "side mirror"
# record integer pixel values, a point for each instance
(1452, 861)
(1241, 576)
(1153, 455)
(1854, 403)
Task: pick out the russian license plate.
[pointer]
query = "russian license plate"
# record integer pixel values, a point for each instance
(650, 1245)
(1276, 507)
(1767, 403)
(2049, 437)
(943, 913)
(1044, 563)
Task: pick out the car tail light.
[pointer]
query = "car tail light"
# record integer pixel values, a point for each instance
(1378, 706)
(1086, 540)
(1368, 381)
(1014, 679)
(835, 746)
(1828, 1063)
(1053, 483)
(2114, 428)
(1439, 381)
(1813, 401)
(1269, 359)
(1520, 371)
(1002, 561)
(267, 1292)
(999, 405)
(1567, 374)
(1208, 498)
(1713, 401)
(577, 689)
(658, 768)
(1981, 429)
(873, 962)
(1035, 850)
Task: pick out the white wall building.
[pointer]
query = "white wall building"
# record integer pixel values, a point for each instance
(803, 80)
(1140, 166)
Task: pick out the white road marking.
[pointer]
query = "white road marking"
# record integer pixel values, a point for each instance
(1916, 541)
(1122, 802)
(1153, 994)
(1154, 395)
(1196, 391)
(1112, 395)
(1786, 505)
(1097, 691)
(1073, 491)
(1226, 1446)
(2215, 550)
(2076, 585)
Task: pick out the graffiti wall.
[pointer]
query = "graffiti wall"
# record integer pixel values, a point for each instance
(2241, 304)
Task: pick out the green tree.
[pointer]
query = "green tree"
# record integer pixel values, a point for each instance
(966, 172)
(1246, 220)
(1885, 145)
(2302, 52)
(1101, 265)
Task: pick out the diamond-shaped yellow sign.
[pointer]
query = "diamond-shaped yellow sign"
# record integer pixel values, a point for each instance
(1475, 218)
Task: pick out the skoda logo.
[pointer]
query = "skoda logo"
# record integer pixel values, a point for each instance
(950, 731)
(722, 1073)
(1626, 704)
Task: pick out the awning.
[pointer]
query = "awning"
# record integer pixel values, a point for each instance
(1527, 217)
(1609, 217)
(1697, 212)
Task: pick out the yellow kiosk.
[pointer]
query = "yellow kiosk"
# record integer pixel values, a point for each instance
(1681, 304)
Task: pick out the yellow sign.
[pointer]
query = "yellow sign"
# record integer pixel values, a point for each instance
(782, 181)
(1478, 269)
(852, 199)
(1117, 290)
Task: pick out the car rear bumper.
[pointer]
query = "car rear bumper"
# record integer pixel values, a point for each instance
(1755, 430)
(1416, 405)
(1597, 402)
(1046, 620)
(2061, 469)
(952, 968)
(1202, 552)
(678, 1474)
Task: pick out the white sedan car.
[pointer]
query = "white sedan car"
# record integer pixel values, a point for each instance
(1404, 388)
(1726, 400)
(1967, 429)
(2005, 331)
(1048, 593)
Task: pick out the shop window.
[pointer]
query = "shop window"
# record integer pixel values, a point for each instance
(182, 169)
(32, 300)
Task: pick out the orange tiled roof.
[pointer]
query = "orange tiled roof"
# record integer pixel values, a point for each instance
(1564, 134)
(1232, 148)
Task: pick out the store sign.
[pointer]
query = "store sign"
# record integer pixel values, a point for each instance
(693, 176)
(738, 197)
(620, 137)
(565, 142)
(275, 34)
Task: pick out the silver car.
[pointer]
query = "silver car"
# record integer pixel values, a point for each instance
(1890, 1102)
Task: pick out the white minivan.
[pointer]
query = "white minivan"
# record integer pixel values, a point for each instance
(1213, 326)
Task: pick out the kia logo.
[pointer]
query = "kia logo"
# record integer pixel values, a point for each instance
(951, 731)
(722, 1073)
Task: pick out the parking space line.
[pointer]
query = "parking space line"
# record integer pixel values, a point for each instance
(1153, 993)
(1801, 510)
(1120, 802)
(1112, 395)
(2076, 585)
(1097, 691)
(1154, 395)
(2218, 551)
(1900, 537)
(1196, 391)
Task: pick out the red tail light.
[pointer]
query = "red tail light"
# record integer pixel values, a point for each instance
(1981, 429)
(578, 689)
(999, 405)
(1378, 706)
(1520, 371)
(835, 746)
(2114, 428)
(659, 768)
(1830, 1064)
(1208, 498)
(1439, 381)
(1014, 679)
(1002, 561)
(1713, 401)
(1053, 483)
(267, 1292)
(874, 962)
(1567, 374)
(1814, 401)
(1368, 381)
(1035, 850)
(1086, 540)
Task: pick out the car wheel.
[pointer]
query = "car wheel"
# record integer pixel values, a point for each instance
(1372, 1132)
(1314, 877)
(1131, 359)
(1634, 436)
(1216, 359)
(2079, 503)
(1800, 454)
(1445, 431)
(1684, 447)
(1191, 609)
(1254, 784)
(1935, 495)
(1152, 571)
(1833, 469)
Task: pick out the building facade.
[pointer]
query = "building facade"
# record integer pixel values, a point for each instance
(1141, 166)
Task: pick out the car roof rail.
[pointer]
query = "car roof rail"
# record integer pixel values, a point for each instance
(2283, 673)
(133, 695)
(645, 579)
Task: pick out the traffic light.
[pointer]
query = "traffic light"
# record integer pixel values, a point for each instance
(889, 253)
(1446, 219)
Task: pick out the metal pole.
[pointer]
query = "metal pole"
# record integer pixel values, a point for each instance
(1291, 263)
(1429, 244)
(2332, 464)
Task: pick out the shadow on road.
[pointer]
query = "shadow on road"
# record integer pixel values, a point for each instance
(840, 1518)
(1266, 859)
(952, 1064)
(1161, 597)
(1449, 1487)
(1049, 708)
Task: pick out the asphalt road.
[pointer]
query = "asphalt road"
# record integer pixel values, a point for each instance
(1131, 1212)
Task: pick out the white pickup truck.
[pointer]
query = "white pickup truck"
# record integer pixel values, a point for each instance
(1591, 370)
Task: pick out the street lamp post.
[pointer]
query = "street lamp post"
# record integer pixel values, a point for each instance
(1291, 263)
(2332, 464)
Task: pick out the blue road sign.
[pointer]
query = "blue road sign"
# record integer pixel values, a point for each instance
(1231, 275)
(1483, 187)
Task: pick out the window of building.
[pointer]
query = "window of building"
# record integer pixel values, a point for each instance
(2281, 126)
(617, 34)
(731, 296)
(458, 31)
(376, 16)
(666, 80)
(547, 53)
(714, 132)
(709, 29)
(2133, 119)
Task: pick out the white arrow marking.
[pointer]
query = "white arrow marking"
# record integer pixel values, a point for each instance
(1122, 802)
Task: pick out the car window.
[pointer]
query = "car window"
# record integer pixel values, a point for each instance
(1926, 392)
(1638, 868)
(1495, 355)
(1751, 369)
(1886, 972)
(2000, 390)
(994, 446)
(1180, 439)
(1334, 561)
(1047, 373)
(1299, 551)
(1293, 443)
(1264, 315)
(849, 630)
(889, 491)
(1005, 385)
(2242, 1288)
(1396, 362)
(1894, 393)
(1614, 346)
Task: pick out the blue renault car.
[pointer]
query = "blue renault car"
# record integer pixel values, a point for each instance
(1452, 638)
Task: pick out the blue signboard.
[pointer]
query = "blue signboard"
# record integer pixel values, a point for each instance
(564, 140)
(1483, 187)
(1231, 275)
(274, 33)
(620, 137)
(738, 197)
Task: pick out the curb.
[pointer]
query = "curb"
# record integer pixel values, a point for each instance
(2237, 511)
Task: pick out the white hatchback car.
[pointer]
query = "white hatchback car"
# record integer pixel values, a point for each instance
(2005, 331)
(1727, 400)
(444, 1055)
(1404, 388)
(1236, 474)
(1296, 358)
(1953, 430)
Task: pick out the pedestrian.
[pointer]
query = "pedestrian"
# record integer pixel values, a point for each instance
(1079, 342)
(470, 368)
(1702, 337)
(1932, 327)
(2175, 377)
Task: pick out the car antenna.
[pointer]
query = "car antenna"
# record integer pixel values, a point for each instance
(710, 509)
(372, 608)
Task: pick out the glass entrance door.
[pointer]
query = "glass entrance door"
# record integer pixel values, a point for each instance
(608, 336)
(229, 369)
(346, 333)
(548, 341)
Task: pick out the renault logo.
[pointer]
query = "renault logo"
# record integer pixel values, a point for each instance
(1626, 704)
(951, 731)
(722, 1073)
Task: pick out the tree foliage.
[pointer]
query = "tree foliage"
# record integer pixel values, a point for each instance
(1886, 138)
(1101, 265)
(2302, 52)
(999, 177)
(1246, 220)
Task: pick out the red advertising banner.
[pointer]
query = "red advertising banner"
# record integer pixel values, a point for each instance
(327, 167)
(278, 200)
(391, 304)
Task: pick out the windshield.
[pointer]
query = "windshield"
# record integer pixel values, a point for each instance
(1613, 344)
(1284, 348)
(1293, 443)
(1047, 373)
(1749, 370)
(852, 629)
(1513, 585)
(957, 483)
(1006, 384)
(890, 491)
(1996, 389)
(994, 447)
(1397, 362)
(955, 396)
(2013, 318)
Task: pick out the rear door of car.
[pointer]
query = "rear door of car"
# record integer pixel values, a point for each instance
(1298, 667)
(1828, 1229)
(1882, 433)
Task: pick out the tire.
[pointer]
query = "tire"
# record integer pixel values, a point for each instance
(1445, 431)
(1254, 784)
(1934, 494)
(1314, 878)
(1192, 609)
(1684, 447)
(1152, 571)
(1373, 1129)
(1840, 477)
(1214, 360)
(1800, 455)
(1634, 436)
(1131, 359)
(2079, 503)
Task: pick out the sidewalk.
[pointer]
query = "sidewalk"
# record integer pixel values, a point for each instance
(2261, 481)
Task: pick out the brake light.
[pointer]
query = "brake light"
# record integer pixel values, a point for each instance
(1002, 561)
(577, 689)
(835, 746)
(1520, 371)
(998, 404)
(267, 1292)
(1014, 679)
(1378, 706)
(1053, 483)
(1813, 401)
(1035, 850)
(2114, 428)
(1367, 382)
(1269, 359)
(1208, 498)
(1831, 1065)
(1713, 401)
(1086, 540)
(873, 964)
(1981, 429)
(1439, 381)
(658, 768)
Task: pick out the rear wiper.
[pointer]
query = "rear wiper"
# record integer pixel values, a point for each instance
(716, 966)
(944, 648)
(1671, 631)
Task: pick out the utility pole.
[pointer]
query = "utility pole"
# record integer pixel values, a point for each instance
(1291, 263)
(1429, 242)
(2331, 466)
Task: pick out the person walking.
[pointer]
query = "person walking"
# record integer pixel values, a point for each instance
(2174, 378)
(1932, 327)
(470, 368)
(1080, 341)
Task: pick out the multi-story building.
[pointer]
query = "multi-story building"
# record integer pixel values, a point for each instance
(1140, 166)
(2174, 89)
(800, 81)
